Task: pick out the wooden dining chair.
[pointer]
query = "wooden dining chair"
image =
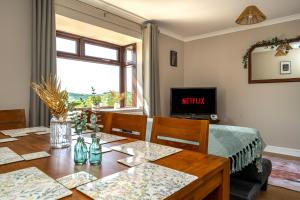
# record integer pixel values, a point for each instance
(101, 117)
(12, 119)
(126, 125)
(181, 133)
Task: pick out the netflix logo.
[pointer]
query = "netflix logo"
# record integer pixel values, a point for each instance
(193, 101)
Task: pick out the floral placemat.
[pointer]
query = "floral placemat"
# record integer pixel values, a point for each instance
(8, 156)
(17, 135)
(30, 183)
(103, 149)
(147, 150)
(35, 155)
(87, 140)
(105, 137)
(41, 133)
(145, 181)
(73, 180)
(132, 161)
(8, 140)
(21, 131)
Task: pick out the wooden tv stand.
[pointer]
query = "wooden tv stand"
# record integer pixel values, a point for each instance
(197, 117)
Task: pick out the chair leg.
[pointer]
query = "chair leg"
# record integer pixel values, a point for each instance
(264, 187)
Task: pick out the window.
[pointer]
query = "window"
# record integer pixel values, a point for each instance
(129, 86)
(101, 52)
(84, 63)
(66, 45)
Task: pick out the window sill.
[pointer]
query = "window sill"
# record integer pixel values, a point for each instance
(122, 110)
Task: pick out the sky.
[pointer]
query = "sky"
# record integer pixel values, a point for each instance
(79, 77)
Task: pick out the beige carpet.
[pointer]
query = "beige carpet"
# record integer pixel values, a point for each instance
(285, 173)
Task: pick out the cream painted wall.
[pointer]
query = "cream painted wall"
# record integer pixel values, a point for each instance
(273, 108)
(169, 76)
(15, 54)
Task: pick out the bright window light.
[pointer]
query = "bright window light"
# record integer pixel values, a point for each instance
(101, 52)
(65, 45)
(79, 76)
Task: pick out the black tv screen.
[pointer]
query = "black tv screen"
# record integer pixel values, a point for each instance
(193, 101)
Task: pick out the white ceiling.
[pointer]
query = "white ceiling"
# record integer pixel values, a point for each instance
(189, 18)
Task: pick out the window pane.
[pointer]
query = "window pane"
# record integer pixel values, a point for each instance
(66, 45)
(77, 77)
(129, 55)
(101, 52)
(129, 86)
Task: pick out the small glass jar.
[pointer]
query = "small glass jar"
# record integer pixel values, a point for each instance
(80, 151)
(60, 133)
(95, 152)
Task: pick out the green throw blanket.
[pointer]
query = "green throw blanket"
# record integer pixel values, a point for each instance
(240, 144)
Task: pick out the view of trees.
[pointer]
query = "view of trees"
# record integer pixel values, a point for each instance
(106, 98)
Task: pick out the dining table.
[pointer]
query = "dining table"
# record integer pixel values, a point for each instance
(212, 171)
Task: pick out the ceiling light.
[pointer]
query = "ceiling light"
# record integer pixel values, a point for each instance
(251, 15)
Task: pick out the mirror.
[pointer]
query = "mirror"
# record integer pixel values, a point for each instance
(278, 64)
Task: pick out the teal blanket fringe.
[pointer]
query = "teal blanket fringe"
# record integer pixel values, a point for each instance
(241, 145)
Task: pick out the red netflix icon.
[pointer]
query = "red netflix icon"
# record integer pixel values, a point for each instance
(193, 101)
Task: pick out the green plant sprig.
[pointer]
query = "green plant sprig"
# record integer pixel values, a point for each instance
(268, 43)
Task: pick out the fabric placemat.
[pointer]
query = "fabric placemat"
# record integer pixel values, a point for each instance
(132, 161)
(145, 181)
(147, 150)
(8, 140)
(35, 155)
(30, 183)
(8, 156)
(105, 137)
(73, 180)
(19, 131)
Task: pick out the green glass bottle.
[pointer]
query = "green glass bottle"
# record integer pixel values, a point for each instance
(80, 152)
(95, 152)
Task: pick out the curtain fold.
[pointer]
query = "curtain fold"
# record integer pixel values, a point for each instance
(151, 86)
(43, 56)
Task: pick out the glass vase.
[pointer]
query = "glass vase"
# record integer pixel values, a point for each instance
(95, 152)
(60, 133)
(80, 151)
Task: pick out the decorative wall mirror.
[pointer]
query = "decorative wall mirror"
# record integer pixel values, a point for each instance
(274, 61)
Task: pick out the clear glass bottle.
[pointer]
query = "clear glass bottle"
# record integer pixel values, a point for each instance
(80, 151)
(95, 152)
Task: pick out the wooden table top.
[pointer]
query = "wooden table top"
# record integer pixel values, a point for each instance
(61, 163)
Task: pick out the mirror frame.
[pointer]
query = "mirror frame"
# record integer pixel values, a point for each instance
(250, 81)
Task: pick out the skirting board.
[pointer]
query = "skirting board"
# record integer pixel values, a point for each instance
(283, 150)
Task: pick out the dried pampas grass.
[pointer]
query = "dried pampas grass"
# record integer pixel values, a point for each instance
(50, 94)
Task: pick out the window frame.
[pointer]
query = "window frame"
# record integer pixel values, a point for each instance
(121, 61)
(134, 73)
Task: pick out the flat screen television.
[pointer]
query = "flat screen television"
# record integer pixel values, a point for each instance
(193, 101)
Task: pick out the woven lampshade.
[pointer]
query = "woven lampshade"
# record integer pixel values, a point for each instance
(280, 52)
(283, 49)
(280, 47)
(251, 15)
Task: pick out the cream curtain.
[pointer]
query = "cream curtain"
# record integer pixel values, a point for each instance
(43, 56)
(151, 92)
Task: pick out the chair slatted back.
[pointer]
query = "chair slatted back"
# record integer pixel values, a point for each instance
(126, 125)
(181, 133)
(12, 119)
